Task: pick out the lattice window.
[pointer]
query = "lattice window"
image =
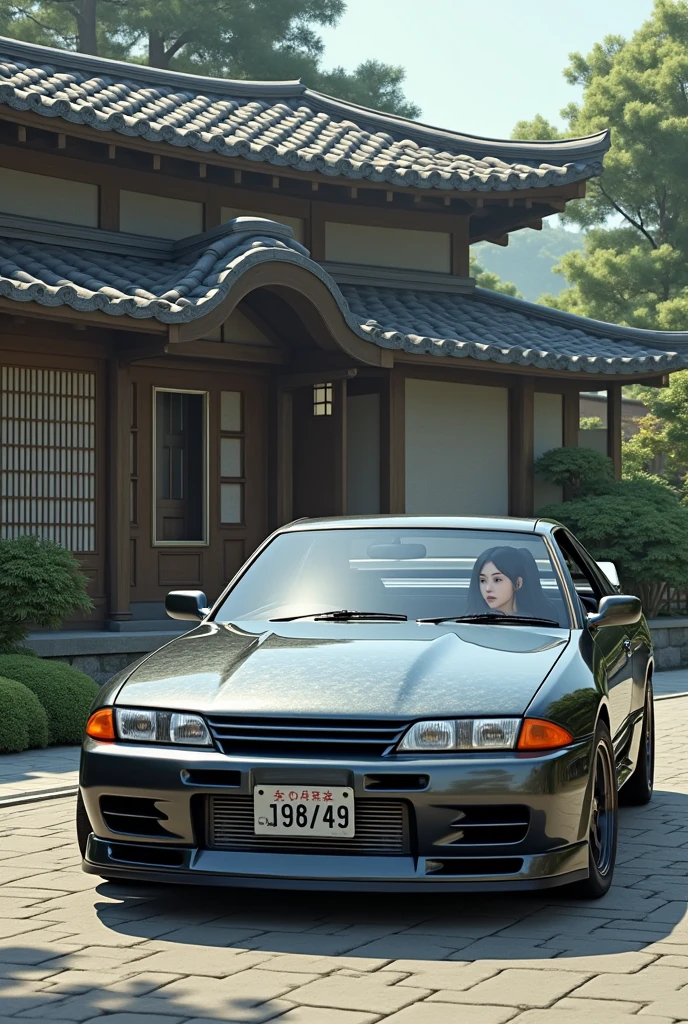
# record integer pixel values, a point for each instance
(47, 455)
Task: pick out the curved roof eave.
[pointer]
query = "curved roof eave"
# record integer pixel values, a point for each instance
(571, 159)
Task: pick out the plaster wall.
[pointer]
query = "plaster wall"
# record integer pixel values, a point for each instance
(159, 216)
(549, 433)
(457, 448)
(388, 247)
(363, 454)
(295, 223)
(37, 195)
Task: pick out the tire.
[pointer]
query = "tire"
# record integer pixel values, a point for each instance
(637, 790)
(83, 825)
(604, 819)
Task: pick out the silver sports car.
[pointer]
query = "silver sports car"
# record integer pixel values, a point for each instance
(388, 703)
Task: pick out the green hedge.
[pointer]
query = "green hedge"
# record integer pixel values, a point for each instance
(23, 721)
(65, 693)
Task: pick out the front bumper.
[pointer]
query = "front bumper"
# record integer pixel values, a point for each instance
(553, 787)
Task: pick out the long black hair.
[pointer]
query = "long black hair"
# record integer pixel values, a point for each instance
(514, 563)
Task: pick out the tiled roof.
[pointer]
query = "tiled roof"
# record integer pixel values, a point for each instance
(177, 282)
(283, 124)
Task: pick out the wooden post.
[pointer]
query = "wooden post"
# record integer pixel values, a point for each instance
(571, 427)
(521, 444)
(571, 408)
(285, 458)
(614, 436)
(460, 248)
(393, 443)
(119, 533)
(339, 394)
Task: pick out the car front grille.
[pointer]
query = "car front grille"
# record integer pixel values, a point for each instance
(305, 737)
(381, 829)
(499, 825)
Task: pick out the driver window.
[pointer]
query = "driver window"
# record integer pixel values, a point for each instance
(587, 586)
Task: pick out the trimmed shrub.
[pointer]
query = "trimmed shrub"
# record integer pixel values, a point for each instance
(40, 583)
(65, 693)
(23, 721)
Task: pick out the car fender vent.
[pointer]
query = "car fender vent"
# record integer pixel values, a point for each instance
(135, 816)
(485, 825)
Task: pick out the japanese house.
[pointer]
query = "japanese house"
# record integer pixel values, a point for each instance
(225, 305)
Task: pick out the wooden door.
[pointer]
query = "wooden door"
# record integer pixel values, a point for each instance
(200, 453)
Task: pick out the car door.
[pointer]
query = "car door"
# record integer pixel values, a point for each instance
(614, 644)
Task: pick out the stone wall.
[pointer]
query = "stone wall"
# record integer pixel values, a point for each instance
(99, 666)
(670, 638)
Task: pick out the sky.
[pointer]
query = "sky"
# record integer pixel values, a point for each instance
(479, 67)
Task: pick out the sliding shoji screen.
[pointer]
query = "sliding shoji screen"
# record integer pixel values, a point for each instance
(48, 456)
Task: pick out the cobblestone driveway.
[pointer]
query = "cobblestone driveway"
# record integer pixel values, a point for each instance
(71, 950)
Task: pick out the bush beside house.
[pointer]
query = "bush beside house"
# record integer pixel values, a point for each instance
(41, 702)
(639, 523)
(23, 721)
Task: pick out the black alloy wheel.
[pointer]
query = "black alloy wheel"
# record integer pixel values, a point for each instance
(604, 818)
(638, 789)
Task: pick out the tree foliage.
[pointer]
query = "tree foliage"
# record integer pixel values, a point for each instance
(662, 436)
(249, 39)
(634, 269)
(638, 523)
(486, 279)
(41, 583)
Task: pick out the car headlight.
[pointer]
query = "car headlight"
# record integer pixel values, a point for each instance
(161, 727)
(448, 735)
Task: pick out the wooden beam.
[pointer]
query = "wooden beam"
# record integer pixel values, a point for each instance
(275, 181)
(237, 177)
(614, 434)
(521, 443)
(353, 193)
(203, 170)
(61, 141)
(112, 152)
(119, 556)
(21, 133)
(292, 381)
(315, 185)
(108, 212)
(156, 162)
(225, 351)
(571, 413)
(389, 196)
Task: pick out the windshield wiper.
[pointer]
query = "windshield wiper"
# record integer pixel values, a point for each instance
(492, 617)
(343, 615)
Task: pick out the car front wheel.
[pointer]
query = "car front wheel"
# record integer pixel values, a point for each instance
(604, 818)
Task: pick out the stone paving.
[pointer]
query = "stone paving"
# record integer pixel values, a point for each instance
(73, 948)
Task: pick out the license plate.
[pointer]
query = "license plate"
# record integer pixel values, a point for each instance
(297, 811)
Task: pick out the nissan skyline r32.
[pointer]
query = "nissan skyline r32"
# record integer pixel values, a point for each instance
(386, 703)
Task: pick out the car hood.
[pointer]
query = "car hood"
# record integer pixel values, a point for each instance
(375, 669)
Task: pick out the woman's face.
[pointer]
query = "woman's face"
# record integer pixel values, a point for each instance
(497, 589)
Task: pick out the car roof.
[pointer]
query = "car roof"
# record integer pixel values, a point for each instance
(426, 522)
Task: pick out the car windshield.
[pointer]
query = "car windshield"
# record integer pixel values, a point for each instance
(416, 573)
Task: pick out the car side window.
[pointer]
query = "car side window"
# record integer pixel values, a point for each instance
(585, 581)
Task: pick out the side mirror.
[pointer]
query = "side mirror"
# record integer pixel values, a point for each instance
(609, 570)
(617, 610)
(187, 605)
